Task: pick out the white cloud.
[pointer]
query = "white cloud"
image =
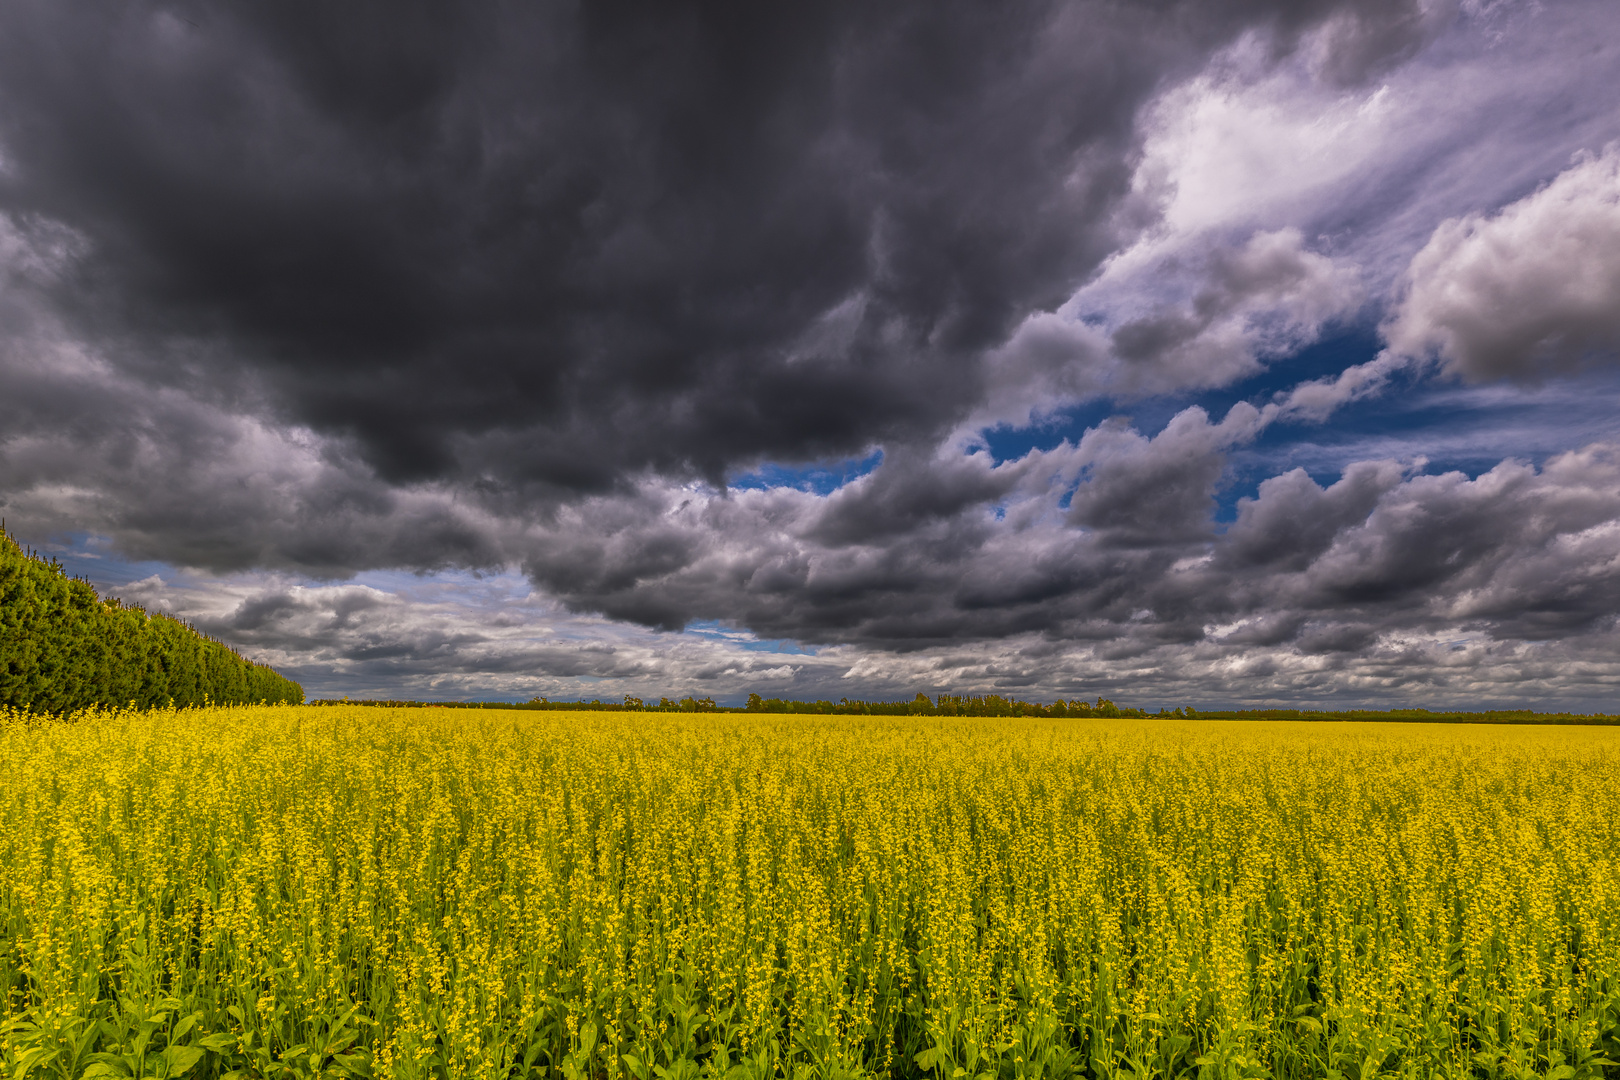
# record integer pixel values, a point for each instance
(1530, 291)
(1256, 153)
(1253, 302)
(1318, 399)
(1260, 300)
(1250, 143)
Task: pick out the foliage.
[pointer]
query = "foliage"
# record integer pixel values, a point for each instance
(295, 891)
(63, 648)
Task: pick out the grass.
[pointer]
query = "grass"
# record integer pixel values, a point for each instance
(290, 891)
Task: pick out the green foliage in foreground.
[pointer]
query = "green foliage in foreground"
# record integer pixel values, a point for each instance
(300, 892)
(62, 648)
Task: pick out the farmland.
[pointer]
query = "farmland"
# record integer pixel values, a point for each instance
(287, 891)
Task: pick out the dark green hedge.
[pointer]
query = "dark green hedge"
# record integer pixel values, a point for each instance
(62, 647)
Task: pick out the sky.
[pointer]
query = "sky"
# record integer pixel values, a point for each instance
(1210, 352)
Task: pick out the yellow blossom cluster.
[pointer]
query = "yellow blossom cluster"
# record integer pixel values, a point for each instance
(295, 891)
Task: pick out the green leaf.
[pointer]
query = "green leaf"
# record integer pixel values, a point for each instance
(183, 1026)
(29, 1058)
(117, 1064)
(182, 1058)
(101, 1068)
(931, 1058)
(1562, 1072)
(355, 1064)
(587, 1036)
(218, 1042)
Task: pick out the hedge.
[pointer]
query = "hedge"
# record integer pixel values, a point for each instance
(62, 647)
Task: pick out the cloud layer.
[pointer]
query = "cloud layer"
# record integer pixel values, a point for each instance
(1500, 588)
(537, 290)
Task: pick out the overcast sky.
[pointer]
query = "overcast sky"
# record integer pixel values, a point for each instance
(1210, 352)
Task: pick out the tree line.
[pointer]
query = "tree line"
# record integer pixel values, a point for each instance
(62, 648)
(952, 705)
(921, 705)
(994, 705)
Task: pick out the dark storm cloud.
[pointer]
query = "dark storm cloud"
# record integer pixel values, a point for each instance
(543, 244)
(1365, 42)
(1515, 552)
(1161, 491)
(315, 290)
(356, 625)
(1292, 520)
(1268, 296)
(199, 485)
(1388, 581)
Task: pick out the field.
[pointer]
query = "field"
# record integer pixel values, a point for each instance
(285, 891)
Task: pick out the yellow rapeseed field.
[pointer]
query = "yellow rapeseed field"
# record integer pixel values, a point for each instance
(287, 891)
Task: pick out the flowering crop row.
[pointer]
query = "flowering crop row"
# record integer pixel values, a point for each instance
(286, 891)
